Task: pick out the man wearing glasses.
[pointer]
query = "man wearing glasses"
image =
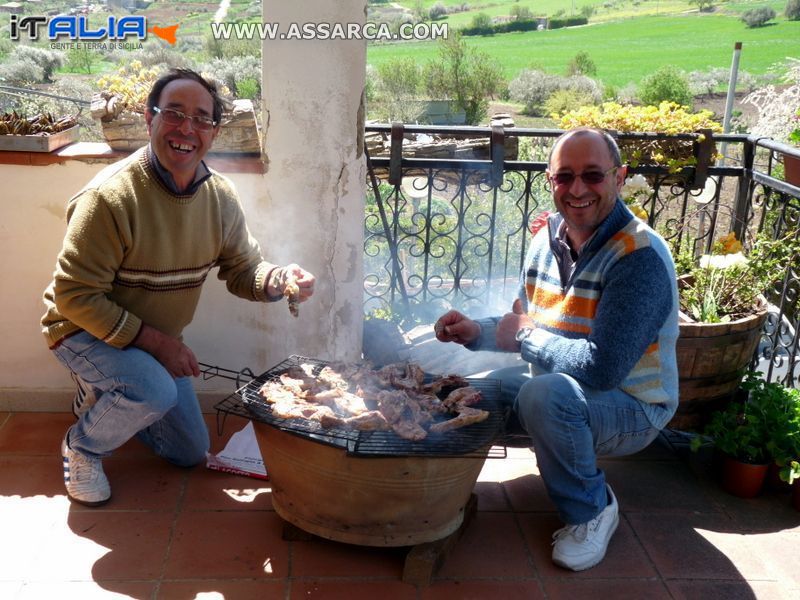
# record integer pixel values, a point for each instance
(141, 238)
(596, 318)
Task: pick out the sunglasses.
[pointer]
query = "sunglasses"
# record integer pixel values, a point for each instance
(588, 177)
(176, 117)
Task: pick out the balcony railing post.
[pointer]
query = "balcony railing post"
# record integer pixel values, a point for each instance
(703, 152)
(744, 188)
(396, 154)
(498, 154)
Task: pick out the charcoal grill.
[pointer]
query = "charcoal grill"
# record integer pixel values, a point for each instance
(470, 441)
(370, 488)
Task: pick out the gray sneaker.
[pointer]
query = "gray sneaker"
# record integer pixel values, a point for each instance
(84, 396)
(580, 547)
(84, 478)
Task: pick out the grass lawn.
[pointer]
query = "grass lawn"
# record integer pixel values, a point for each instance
(625, 51)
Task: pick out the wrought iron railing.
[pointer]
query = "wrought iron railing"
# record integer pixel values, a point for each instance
(451, 231)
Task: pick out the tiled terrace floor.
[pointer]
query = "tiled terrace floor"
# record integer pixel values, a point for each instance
(187, 533)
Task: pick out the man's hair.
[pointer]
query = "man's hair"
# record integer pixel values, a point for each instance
(613, 149)
(175, 74)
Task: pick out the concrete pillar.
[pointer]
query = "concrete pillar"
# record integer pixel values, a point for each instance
(315, 180)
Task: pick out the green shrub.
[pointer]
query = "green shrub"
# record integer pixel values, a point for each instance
(465, 75)
(582, 64)
(758, 17)
(668, 84)
(249, 89)
(437, 11)
(792, 10)
(47, 61)
(21, 71)
(562, 101)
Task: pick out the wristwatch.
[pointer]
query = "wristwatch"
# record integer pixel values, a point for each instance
(523, 334)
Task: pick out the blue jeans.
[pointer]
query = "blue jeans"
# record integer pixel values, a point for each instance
(136, 396)
(570, 425)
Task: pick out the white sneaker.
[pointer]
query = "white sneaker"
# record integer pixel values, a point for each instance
(84, 398)
(580, 547)
(84, 478)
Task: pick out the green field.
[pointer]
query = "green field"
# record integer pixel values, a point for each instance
(625, 51)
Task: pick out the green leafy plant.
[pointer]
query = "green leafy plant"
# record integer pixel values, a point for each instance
(765, 426)
(725, 285)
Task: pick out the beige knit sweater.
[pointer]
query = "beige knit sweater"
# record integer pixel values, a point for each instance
(136, 253)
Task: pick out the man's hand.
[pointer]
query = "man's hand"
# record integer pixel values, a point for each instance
(279, 277)
(174, 356)
(455, 327)
(509, 325)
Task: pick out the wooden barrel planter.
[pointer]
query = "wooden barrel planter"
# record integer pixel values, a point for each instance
(712, 358)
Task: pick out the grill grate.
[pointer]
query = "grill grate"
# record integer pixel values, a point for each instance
(464, 442)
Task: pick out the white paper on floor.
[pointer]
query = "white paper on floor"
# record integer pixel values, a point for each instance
(240, 455)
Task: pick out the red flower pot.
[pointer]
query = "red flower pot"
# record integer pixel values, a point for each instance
(743, 479)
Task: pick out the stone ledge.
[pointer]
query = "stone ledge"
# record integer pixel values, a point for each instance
(93, 152)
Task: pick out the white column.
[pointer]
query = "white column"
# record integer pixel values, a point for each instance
(315, 180)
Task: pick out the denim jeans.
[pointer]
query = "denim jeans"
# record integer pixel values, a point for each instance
(570, 425)
(136, 396)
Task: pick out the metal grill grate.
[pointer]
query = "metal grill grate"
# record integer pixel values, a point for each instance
(472, 440)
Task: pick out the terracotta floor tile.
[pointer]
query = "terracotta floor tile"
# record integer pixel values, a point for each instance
(352, 590)
(28, 524)
(223, 588)
(87, 590)
(559, 589)
(4, 415)
(34, 433)
(215, 490)
(502, 550)
(143, 483)
(528, 494)
(231, 544)
(324, 558)
(491, 496)
(625, 558)
(31, 475)
(100, 544)
(780, 553)
(655, 486)
(729, 590)
(482, 590)
(693, 546)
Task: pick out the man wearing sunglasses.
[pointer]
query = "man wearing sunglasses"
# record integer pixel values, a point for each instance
(141, 239)
(596, 318)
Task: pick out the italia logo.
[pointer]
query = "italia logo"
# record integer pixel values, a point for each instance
(77, 28)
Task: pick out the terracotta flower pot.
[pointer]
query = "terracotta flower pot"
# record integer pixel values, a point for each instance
(742, 479)
(791, 169)
(774, 481)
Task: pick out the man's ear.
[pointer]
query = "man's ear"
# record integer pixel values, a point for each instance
(148, 119)
(621, 173)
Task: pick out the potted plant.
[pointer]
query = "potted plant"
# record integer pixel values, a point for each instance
(667, 118)
(121, 102)
(761, 429)
(722, 313)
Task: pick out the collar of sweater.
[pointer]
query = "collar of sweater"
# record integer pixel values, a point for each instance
(167, 181)
(618, 218)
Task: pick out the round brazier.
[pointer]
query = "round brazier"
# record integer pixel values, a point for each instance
(380, 501)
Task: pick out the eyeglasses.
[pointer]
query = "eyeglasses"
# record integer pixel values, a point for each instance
(588, 177)
(176, 117)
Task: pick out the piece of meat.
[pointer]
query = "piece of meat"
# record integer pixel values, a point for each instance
(466, 416)
(465, 396)
(274, 391)
(448, 381)
(371, 420)
(404, 414)
(292, 294)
